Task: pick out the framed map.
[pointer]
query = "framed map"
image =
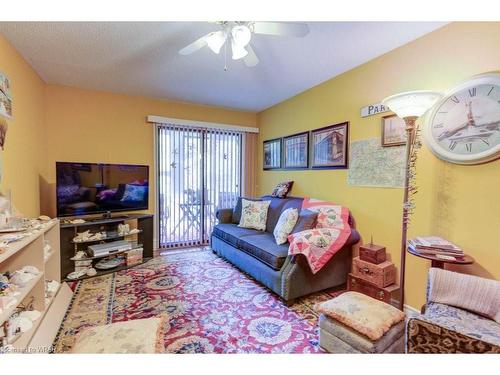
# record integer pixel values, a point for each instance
(376, 166)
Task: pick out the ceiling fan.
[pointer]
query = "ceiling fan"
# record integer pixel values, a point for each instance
(239, 34)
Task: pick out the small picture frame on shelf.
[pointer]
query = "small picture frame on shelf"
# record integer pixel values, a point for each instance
(272, 154)
(296, 151)
(330, 146)
(5, 97)
(393, 131)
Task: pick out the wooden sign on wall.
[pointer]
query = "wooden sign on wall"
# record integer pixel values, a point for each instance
(373, 109)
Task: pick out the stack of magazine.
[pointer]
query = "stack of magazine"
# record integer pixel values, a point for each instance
(436, 246)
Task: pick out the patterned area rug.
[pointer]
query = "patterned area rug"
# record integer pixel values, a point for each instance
(213, 307)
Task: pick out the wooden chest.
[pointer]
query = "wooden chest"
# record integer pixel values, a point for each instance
(372, 253)
(382, 274)
(359, 285)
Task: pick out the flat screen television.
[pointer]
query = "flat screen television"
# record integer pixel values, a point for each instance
(92, 188)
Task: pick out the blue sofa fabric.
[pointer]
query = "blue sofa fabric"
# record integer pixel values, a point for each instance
(233, 234)
(264, 248)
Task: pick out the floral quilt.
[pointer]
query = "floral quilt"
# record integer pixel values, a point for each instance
(320, 244)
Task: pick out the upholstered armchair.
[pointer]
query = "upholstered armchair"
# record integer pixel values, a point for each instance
(461, 316)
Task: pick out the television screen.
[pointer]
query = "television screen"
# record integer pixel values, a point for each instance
(89, 188)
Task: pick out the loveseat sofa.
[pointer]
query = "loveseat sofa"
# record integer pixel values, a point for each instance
(256, 253)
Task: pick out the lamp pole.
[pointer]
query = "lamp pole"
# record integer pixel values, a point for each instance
(410, 133)
(409, 106)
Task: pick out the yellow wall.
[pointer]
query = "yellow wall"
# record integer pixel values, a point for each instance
(60, 123)
(92, 126)
(24, 155)
(460, 203)
(52, 123)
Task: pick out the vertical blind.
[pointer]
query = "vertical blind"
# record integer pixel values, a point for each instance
(199, 171)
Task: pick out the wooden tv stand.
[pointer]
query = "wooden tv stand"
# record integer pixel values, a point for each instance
(143, 222)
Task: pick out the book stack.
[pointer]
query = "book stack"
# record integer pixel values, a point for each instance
(437, 246)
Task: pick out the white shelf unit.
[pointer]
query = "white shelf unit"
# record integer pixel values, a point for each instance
(29, 251)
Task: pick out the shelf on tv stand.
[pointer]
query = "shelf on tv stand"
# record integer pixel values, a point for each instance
(114, 237)
(135, 247)
(111, 270)
(100, 220)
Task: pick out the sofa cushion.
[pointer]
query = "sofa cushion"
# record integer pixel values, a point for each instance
(306, 221)
(463, 321)
(277, 206)
(450, 288)
(231, 233)
(264, 248)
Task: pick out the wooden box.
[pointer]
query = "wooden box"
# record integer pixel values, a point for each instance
(382, 274)
(134, 257)
(359, 285)
(372, 253)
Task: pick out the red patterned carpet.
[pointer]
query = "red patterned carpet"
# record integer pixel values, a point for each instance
(213, 307)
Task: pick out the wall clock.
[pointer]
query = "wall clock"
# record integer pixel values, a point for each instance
(464, 127)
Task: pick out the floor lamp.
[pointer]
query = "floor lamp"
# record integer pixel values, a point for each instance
(409, 106)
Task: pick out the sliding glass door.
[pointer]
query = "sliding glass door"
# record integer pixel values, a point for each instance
(199, 171)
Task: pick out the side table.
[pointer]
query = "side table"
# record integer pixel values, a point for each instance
(440, 262)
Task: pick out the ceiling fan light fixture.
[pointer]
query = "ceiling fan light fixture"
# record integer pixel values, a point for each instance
(241, 35)
(238, 51)
(216, 40)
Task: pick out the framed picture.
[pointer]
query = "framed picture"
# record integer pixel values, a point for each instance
(330, 146)
(272, 154)
(393, 131)
(5, 96)
(296, 151)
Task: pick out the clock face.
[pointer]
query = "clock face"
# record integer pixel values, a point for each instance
(464, 127)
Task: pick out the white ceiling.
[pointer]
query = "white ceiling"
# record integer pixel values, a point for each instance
(141, 58)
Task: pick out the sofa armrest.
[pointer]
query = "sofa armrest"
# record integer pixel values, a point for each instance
(424, 336)
(297, 279)
(224, 215)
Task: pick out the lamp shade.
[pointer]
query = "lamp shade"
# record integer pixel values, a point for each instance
(216, 40)
(412, 103)
(238, 51)
(241, 35)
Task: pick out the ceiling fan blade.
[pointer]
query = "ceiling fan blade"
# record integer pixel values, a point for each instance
(251, 58)
(281, 28)
(195, 46)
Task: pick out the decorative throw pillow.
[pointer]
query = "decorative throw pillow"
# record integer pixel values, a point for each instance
(285, 224)
(134, 193)
(330, 215)
(237, 209)
(254, 214)
(138, 336)
(306, 220)
(282, 189)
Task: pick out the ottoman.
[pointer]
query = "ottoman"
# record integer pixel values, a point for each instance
(356, 323)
